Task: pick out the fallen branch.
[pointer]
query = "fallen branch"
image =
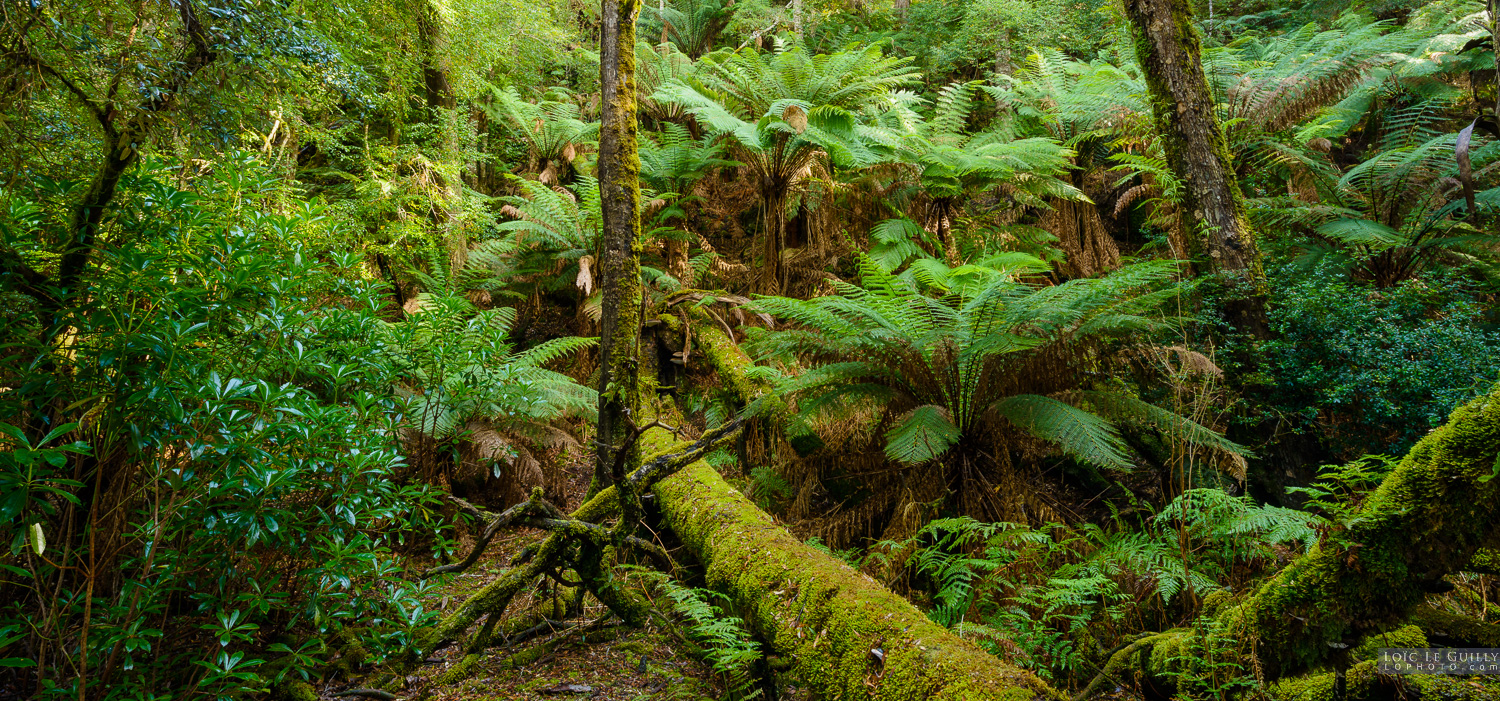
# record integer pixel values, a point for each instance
(535, 506)
(495, 597)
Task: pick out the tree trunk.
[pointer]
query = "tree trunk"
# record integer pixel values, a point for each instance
(1169, 51)
(944, 208)
(773, 216)
(1494, 8)
(619, 264)
(432, 35)
(1213, 209)
(843, 634)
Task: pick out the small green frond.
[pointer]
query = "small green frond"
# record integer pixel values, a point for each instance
(924, 434)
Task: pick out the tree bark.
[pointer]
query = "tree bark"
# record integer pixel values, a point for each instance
(619, 260)
(432, 35)
(1171, 56)
(1494, 9)
(1213, 209)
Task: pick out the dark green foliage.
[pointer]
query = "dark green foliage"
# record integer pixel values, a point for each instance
(235, 455)
(1371, 370)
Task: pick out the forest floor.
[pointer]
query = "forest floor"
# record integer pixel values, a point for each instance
(612, 664)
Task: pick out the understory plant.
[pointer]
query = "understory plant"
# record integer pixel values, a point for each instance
(948, 382)
(1054, 598)
(217, 499)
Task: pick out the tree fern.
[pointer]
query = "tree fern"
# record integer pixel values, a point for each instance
(983, 357)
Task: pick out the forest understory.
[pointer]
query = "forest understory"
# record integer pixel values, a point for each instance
(967, 350)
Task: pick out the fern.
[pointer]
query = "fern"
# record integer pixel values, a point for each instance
(723, 640)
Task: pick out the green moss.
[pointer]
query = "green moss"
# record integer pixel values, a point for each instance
(1426, 520)
(635, 647)
(1485, 561)
(812, 609)
(1361, 682)
(1405, 636)
(1216, 600)
(822, 615)
(1457, 630)
(295, 690)
(461, 671)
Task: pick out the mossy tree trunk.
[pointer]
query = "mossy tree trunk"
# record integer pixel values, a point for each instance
(1213, 209)
(432, 34)
(1427, 520)
(619, 261)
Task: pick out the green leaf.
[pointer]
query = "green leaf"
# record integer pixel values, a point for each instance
(1084, 435)
(924, 434)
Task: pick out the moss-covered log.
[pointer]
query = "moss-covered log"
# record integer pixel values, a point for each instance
(1427, 520)
(845, 634)
(842, 632)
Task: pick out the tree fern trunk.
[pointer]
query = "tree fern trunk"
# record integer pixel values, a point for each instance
(619, 264)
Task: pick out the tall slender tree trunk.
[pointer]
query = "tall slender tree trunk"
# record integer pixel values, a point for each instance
(433, 35)
(441, 101)
(1213, 209)
(619, 264)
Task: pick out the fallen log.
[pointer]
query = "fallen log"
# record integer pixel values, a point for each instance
(843, 633)
(1429, 518)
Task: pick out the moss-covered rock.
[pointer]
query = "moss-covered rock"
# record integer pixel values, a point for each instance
(294, 690)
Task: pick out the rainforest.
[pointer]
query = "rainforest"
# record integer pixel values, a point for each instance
(735, 350)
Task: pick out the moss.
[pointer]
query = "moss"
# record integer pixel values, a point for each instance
(636, 647)
(1457, 630)
(294, 690)
(1405, 636)
(1485, 561)
(822, 615)
(813, 609)
(461, 671)
(1426, 520)
(351, 654)
(1216, 600)
(1364, 683)
(1361, 682)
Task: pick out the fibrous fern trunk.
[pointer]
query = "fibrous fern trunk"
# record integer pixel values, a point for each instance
(773, 220)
